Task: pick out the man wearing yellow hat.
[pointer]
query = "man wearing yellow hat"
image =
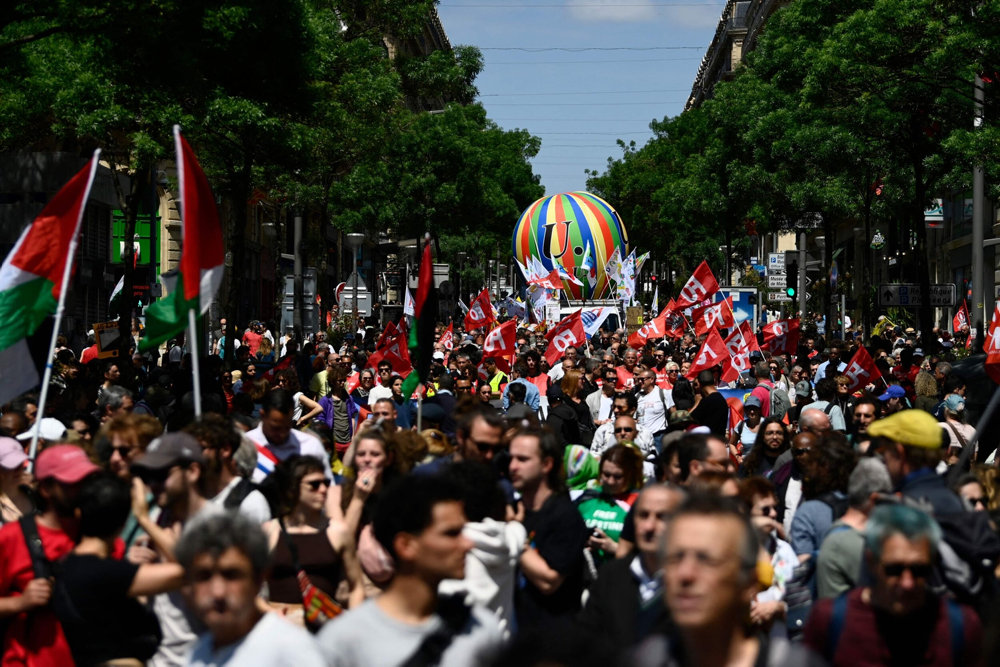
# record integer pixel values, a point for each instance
(911, 443)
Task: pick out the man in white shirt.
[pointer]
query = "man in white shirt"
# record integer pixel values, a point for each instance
(384, 387)
(654, 406)
(225, 558)
(276, 440)
(224, 486)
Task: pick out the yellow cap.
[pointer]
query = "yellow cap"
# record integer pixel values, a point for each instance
(916, 428)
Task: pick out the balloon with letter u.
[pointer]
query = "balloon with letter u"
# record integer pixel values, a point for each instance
(557, 230)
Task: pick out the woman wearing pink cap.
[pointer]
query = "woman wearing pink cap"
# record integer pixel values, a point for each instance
(14, 501)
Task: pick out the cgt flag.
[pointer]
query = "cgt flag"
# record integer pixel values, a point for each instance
(500, 341)
(716, 315)
(480, 312)
(568, 332)
(447, 339)
(655, 328)
(862, 370)
(699, 287)
(712, 353)
(781, 336)
(960, 322)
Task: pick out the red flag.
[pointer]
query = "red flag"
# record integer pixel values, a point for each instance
(390, 329)
(992, 347)
(272, 374)
(568, 332)
(961, 320)
(862, 370)
(712, 353)
(551, 281)
(447, 339)
(740, 343)
(500, 341)
(655, 328)
(700, 286)
(396, 352)
(716, 315)
(480, 312)
(781, 336)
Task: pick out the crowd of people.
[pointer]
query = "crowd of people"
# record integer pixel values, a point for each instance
(603, 509)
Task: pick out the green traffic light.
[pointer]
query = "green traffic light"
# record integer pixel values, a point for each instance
(790, 291)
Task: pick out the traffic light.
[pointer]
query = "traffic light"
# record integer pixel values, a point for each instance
(791, 277)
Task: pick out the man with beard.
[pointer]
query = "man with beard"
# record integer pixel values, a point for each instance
(225, 558)
(865, 411)
(34, 636)
(173, 470)
(224, 485)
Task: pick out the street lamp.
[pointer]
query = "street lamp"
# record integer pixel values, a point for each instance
(354, 241)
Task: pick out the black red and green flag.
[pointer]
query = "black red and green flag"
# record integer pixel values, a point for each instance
(425, 310)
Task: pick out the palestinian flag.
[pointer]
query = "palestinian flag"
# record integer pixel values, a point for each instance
(32, 278)
(425, 309)
(202, 255)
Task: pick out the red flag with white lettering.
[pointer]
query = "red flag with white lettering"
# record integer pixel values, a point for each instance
(568, 332)
(448, 338)
(961, 320)
(675, 323)
(552, 281)
(712, 353)
(499, 342)
(716, 315)
(396, 352)
(781, 336)
(992, 346)
(655, 328)
(480, 312)
(862, 370)
(740, 343)
(700, 286)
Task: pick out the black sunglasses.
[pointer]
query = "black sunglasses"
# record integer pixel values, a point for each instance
(624, 430)
(919, 571)
(314, 484)
(155, 476)
(802, 451)
(123, 450)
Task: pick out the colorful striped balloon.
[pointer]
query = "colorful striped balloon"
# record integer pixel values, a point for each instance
(557, 231)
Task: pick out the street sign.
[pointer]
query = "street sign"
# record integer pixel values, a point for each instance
(941, 294)
(776, 263)
(776, 281)
(778, 297)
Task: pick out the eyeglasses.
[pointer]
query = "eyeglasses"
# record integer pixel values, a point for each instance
(918, 570)
(977, 501)
(673, 370)
(314, 484)
(625, 429)
(485, 447)
(123, 450)
(800, 451)
(155, 476)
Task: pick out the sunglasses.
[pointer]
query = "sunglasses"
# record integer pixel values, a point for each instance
(157, 476)
(919, 571)
(123, 451)
(977, 501)
(485, 447)
(624, 430)
(802, 451)
(314, 484)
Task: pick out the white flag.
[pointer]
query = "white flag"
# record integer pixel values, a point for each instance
(409, 307)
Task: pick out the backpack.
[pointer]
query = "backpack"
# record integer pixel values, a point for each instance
(780, 403)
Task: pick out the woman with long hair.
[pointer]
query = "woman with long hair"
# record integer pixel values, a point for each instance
(772, 441)
(304, 407)
(574, 398)
(303, 539)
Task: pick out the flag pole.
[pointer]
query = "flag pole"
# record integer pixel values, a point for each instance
(420, 409)
(195, 362)
(60, 309)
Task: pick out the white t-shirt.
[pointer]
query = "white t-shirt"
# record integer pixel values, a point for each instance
(651, 415)
(253, 507)
(377, 393)
(273, 641)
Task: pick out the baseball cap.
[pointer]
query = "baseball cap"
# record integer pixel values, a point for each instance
(803, 388)
(954, 403)
(438, 356)
(916, 428)
(12, 454)
(894, 391)
(49, 428)
(752, 402)
(64, 463)
(170, 449)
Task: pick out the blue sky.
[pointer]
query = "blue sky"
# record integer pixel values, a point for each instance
(640, 61)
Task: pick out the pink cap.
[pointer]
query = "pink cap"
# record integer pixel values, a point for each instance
(64, 463)
(12, 454)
